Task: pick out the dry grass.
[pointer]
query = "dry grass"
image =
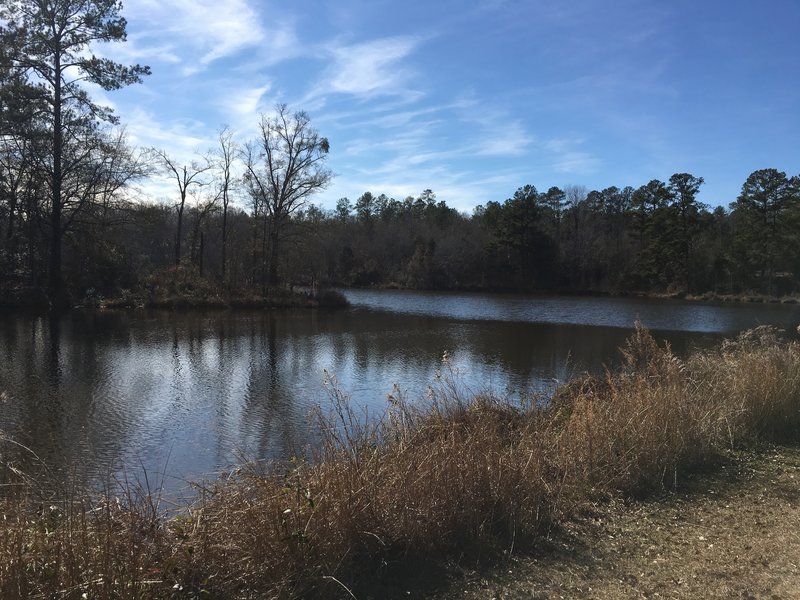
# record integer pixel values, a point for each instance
(733, 532)
(431, 480)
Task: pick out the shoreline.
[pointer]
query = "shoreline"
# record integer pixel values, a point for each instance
(324, 299)
(712, 297)
(330, 297)
(452, 481)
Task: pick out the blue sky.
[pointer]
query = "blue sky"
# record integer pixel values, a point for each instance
(475, 99)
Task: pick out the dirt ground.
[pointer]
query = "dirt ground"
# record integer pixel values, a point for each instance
(734, 533)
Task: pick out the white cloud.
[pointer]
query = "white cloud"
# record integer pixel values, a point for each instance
(413, 140)
(496, 132)
(509, 139)
(459, 189)
(185, 136)
(184, 142)
(563, 156)
(369, 69)
(230, 29)
(194, 32)
(242, 105)
(140, 49)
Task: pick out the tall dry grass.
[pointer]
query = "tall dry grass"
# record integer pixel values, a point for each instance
(433, 479)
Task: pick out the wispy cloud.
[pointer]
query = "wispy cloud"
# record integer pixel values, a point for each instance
(505, 139)
(183, 139)
(564, 155)
(416, 95)
(460, 189)
(194, 32)
(495, 130)
(369, 69)
(242, 104)
(140, 49)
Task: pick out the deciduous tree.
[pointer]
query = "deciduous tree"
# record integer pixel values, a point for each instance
(186, 178)
(223, 160)
(284, 166)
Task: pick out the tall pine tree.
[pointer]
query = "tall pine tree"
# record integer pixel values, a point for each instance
(50, 59)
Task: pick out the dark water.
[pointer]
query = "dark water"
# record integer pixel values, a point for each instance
(189, 394)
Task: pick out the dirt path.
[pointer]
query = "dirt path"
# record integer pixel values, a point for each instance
(734, 534)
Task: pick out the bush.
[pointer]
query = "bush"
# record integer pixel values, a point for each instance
(182, 286)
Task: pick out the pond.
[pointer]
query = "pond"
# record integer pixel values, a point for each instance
(185, 395)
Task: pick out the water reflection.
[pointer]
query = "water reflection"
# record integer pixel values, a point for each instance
(661, 315)
(189, 394)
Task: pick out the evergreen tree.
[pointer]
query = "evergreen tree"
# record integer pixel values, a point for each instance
(683, 189)
(763, 211)
(51, 57)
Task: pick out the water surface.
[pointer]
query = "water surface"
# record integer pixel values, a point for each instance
(189, 394)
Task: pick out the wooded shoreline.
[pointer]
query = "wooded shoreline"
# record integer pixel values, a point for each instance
(208, 297)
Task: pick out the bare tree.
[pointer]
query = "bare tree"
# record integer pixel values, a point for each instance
(121, 165)
(204, 206)
(223, 162)
(283, 168)
(185, 177)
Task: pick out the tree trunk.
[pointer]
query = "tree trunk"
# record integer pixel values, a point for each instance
(224, 240)
(180, 230)
(56, 280)
(273, 256)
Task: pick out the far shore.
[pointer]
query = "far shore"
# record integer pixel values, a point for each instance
(213, 298)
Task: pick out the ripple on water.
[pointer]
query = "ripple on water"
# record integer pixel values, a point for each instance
(187, 394)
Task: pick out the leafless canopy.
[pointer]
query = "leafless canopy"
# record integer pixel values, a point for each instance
(284, 166)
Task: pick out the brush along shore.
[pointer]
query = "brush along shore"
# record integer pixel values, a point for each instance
(452, 479)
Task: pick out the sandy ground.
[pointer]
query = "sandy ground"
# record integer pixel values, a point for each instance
(734, 533)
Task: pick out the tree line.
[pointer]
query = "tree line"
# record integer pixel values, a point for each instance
(240, 218)
(657, 238)
(68, 226)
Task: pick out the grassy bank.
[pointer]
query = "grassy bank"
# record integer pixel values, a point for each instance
(178, 288)
(450, 477)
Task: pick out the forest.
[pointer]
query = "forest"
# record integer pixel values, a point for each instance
(653, 239)
(241, 220)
